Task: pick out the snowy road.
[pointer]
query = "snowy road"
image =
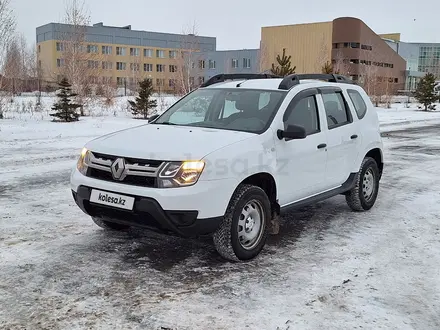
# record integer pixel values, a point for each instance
(329, 268)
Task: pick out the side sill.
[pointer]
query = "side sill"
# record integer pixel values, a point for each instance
(346, 186)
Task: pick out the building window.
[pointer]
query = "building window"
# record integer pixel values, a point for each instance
(107, 80)
(201, 80)
(211, 64)
(121, 81)
(193, 65)
(396, 80)
(92, 49)
(173, 68)
(173, 54)
(134, 67)
(160, 68)
(60, 62)
(121, 66)
(247, 63)
(39, 48)
(134, 51)
(355, 45)
(60, 47)
(160, 82)
(201, 64)
(107, 65)
(160, 53)
(191, 81)
(107, 50)
(148, 67)
(354, 61)
(121, 51)
(234, 63)
(366, 47)
(39, 64)
(148, 53)
(172, 83)
(93, 80)
(92, 64)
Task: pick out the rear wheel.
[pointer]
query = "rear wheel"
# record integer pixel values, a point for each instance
(364, 194)
(242, 233)
(109, 225)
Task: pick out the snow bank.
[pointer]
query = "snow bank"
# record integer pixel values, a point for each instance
(25, 107)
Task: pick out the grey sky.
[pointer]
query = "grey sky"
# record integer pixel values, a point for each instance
(237, 23)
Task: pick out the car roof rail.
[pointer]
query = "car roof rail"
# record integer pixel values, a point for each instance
(237, 76)
(294, 79)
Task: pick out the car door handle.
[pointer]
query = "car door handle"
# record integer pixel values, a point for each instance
(322, 146)
(354, 137)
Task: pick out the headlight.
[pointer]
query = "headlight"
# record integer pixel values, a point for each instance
(180, 174)
(83, 161)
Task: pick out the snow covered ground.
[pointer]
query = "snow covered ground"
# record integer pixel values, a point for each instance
(329, 268)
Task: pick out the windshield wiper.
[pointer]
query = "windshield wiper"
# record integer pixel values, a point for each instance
(165, 123)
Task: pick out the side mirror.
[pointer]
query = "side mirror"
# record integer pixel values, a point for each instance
(152, 118)
(292, 132)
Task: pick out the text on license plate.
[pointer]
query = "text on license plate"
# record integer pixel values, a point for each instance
(111, 199)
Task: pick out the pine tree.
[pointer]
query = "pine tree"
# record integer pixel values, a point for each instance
(425, 92)
(284, 68)
(143, 105)
(65, 109)
(328, 68)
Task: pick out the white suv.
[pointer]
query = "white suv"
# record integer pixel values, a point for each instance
(230, 157)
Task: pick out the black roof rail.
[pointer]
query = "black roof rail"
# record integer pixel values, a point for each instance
(237, 76)
(294, 79)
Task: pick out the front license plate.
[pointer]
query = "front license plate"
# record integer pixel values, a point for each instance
(111, 199)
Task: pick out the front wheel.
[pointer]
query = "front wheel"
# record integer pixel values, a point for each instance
(364, 194)
(242, 232)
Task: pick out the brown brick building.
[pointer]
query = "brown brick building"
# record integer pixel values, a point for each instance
(348, 43)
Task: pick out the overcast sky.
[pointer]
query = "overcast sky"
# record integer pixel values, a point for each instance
(237, 23)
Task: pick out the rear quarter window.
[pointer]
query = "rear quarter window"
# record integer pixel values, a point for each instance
(358, 102)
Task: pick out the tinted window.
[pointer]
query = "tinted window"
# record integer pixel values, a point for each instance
(248, 110)
(336, 111)
(305, 113)
(359, 103)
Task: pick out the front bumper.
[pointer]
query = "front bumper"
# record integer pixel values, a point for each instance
(209, 198)
(148, 213)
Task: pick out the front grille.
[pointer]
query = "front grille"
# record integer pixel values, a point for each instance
(131, 171)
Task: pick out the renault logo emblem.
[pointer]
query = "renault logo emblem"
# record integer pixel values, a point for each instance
(118, 169)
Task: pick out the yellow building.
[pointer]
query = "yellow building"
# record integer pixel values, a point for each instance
(114, 55)
(310, 45)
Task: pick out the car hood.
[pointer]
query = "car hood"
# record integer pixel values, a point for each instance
(163, 142)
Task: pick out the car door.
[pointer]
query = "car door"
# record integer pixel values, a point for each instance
(342, 136)
(301, 162)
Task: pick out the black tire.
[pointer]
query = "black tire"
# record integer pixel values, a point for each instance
(109, 225)
(356, 198)
(227, 239)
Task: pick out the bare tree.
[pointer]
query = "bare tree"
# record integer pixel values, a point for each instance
(324, 55)
(80, 61)
(187, 60)
(7, 28)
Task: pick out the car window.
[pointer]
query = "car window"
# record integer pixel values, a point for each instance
(193, 110)
(305, 113)
(359, 103)
(232, 97)
(336, 110)
(248, 110)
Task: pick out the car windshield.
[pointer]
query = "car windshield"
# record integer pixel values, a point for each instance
(247, 110)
